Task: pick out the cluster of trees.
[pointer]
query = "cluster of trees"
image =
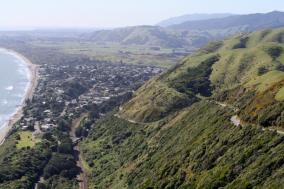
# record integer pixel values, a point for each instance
(74, 88)
(262, 70)
(83, 129)
(103, 108)
(242, 43)
(274, 51)
(272, 115)
(62, 165)
(196, 80)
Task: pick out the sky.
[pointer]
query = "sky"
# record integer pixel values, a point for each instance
(117, 13)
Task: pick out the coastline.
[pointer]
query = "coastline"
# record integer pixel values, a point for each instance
(33, 81)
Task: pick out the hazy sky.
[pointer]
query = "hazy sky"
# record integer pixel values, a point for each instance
(114, 13)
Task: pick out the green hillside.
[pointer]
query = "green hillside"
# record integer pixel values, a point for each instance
(177, 131)
(253, 62)
(153, 36)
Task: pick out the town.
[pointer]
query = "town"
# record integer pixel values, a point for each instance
(67, 90)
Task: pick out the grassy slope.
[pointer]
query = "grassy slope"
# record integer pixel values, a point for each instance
(160, 98)
(280, 95)
(235, 67)
(195, 145)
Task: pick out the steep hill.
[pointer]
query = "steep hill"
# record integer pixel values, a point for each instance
(177, 131)
(191, 17)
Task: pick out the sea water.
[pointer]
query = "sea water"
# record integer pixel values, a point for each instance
(14, 82)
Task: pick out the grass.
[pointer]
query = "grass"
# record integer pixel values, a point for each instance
(86, 166)
(280, 95)
(152, 101)
(264, 82)
(26, 140)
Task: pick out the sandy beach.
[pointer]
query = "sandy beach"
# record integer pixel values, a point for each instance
(33, 69)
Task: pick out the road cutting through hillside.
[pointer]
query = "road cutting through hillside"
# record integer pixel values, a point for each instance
(128, 120)
(236, 120)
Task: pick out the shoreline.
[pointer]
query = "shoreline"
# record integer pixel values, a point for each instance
(33, 81)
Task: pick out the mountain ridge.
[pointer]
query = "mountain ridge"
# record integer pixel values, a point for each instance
(252, 21)
(191, 17)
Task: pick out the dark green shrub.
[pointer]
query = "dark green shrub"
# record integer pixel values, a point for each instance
(262, 70)
(242, 43)
(274, 52)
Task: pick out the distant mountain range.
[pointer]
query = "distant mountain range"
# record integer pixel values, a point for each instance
(190, 34)
(191, 17)
(250, 22)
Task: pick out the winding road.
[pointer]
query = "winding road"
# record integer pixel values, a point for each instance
(238, 122)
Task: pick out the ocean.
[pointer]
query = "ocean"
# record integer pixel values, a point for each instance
(14, 82)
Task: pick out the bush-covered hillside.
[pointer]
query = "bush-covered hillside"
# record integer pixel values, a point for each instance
(177, 130)
(195, 148)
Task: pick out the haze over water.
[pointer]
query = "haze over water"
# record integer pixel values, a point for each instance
(14, 80)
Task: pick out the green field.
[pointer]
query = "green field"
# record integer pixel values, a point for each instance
(26, 140)
(141, 55)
